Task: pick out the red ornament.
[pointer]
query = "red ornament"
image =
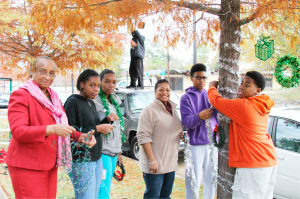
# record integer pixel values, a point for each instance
(3, 156)
(118, 175)
(216, 129)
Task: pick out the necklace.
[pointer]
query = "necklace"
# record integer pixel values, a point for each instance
(48, 97)
(107, 112)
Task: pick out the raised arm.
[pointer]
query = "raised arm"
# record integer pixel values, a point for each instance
(232, 108)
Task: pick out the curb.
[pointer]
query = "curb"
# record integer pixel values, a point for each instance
(2, 194)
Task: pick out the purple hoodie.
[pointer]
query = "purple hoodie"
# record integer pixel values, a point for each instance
(191, 104)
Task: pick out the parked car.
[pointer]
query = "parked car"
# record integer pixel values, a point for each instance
(121, 84)
(284, 128)
(133, 102)
(3, 103)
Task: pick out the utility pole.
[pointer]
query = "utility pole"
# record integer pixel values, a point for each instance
(72, 83)
(194, 43)
(168, 60)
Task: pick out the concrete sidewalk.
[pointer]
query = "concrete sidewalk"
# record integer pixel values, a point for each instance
(2, 194)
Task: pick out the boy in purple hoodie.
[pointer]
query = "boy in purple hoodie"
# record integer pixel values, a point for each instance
(195, 109)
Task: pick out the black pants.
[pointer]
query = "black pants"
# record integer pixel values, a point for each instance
(136, 71)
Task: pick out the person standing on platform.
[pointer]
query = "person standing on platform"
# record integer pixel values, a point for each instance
(137, 53)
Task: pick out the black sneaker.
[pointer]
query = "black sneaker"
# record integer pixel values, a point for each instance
(128, 86)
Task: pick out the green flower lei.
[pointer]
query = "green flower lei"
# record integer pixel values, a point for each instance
(107, 111)
(292, 81)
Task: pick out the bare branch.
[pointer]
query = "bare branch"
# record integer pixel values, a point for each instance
(10, 54)
(196, 6)
(9, 46)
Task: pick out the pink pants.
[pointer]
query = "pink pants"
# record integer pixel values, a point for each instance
(29, 183)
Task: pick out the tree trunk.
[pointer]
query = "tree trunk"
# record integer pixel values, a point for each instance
(230, 39)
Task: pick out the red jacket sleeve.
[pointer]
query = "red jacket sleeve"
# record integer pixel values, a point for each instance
(232, 108)
(75, 136)
(18, 117)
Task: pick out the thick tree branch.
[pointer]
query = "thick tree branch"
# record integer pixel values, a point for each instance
(95, 4)
(196, 6)
(248, 19)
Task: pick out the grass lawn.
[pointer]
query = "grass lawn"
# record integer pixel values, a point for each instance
(290, 94)
(131, 187)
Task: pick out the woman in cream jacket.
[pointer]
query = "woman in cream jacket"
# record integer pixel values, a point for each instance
(159, 132)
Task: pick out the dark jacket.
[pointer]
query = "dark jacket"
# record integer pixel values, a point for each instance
(139, 50)
(82, 115)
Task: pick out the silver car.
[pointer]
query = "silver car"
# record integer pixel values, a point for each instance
(284, 128)
(133, 102)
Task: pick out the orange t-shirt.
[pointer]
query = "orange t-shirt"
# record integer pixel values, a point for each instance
(250, 146)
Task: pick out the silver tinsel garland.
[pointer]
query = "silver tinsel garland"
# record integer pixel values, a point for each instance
(188, 159)
(211, 146)
(189, 167)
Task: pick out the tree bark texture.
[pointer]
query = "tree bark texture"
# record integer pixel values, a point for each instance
(230, 39)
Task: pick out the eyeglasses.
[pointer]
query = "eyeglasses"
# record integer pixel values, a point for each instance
(199, 78)
(45, 74)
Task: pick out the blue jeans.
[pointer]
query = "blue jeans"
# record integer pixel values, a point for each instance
(159, 185)
(86, 178)
(109, 164)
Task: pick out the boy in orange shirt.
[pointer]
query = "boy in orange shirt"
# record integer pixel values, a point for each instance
(251, 149)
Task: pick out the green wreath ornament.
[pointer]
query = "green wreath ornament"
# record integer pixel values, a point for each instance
(287, 82)
(118, 175)
(218, 132)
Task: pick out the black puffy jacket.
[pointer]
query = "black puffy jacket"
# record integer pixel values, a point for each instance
(139, 50)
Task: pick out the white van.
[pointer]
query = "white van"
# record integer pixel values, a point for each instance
(284, 128)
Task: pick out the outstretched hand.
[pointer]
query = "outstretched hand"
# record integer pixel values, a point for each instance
(205, 114)
(88, 139)
(105, 128)
(112, 117)
(182, 136)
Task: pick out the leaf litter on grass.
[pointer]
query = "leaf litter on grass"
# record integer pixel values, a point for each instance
(132, 186)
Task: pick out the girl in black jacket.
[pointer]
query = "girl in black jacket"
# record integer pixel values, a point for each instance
(87, 164)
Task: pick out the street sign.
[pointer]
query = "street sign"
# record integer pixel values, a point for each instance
(163, 73)
(147, 74)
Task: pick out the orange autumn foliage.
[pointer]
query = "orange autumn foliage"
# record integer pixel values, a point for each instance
(221, 23)
(21, 42)
(173, 19)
